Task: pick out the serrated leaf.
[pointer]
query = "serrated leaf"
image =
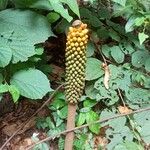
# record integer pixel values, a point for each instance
(93, 69)
(25, 25)
(21, 31)
(58, 7)
(21, 51)
(31, 83)
(5, 55)
(117, 54)
(73, 6)
(142, 37)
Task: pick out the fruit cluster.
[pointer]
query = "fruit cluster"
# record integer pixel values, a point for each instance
(75, 55)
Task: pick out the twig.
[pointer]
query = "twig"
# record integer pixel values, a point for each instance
(29, 119)
(86, 125)
(121, 97)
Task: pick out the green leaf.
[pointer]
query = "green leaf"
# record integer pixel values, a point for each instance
(58, 7)
(139, 57)
(39, 4)
(142, 37)
(130, 24)
(73, 6)
(147, 64)
(53, 17)
(91, 116)
(21, 34)
(90, 49)
(93, 69)
(14, 92)
(58, 102)
(3, 88)
(3, 4)
(114, 35)
(26, 25)
(81, 119)
(135, 95)
(143, 122)
(117, 54)
(39, 50)
(31, 83)
(89, 103)
(121, 2)
(5, 55)
(61, 143)
(63, 112)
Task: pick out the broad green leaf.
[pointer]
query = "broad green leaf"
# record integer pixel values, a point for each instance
(72, 5)
(81, 119)
(14, 92)
(21, 31)
(26, 25)
(53, 17)
(121, 2)
(139, 57)
(142, 37)
(128, 145)
(90, 91)
(117, 54)
(5, 55)
(92, 116)
(3, 88)
(90, 49)
(143, 122)
(106, 50)
(147, 65)
(39, 4)
(136, 95)
(21, 51)
(58, 7)
(3, 4)
(31, 83)
(130, 24)
(93, 69)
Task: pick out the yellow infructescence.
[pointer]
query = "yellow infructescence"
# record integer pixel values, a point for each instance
(75, 55)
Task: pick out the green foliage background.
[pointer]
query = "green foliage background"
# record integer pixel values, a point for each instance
(120, 32)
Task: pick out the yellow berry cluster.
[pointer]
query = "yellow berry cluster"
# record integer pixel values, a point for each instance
(75, 55)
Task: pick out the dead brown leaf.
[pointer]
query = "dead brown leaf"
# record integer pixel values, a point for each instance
(106, 76)
(124, 109)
